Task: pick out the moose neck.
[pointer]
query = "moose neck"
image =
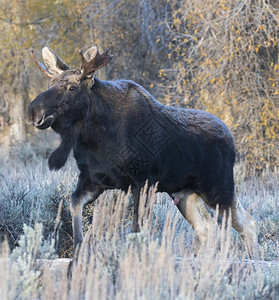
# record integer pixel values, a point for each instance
(99, 119)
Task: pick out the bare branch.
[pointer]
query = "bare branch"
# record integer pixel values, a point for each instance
(36, 22)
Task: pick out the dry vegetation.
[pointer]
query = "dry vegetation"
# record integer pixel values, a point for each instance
(226, 61)
(161, 262)
(220, 56)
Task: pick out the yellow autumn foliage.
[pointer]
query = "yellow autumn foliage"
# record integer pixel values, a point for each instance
(230, 65)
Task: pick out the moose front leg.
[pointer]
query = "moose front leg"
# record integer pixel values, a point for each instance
(136, 196)
(76, 212)
(141, 195)
(78, 200)
(83, 194)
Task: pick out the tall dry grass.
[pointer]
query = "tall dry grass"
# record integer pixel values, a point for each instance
(160, 262)
(157, 263)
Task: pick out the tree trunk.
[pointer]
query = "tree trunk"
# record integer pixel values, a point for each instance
(17, 131)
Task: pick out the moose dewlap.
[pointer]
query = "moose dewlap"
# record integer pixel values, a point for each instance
(122, 137)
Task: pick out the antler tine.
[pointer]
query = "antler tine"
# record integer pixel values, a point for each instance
(83, 65)
(81, 57)
(39, 65)
(96, 62)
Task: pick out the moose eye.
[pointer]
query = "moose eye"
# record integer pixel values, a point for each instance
(72, 88)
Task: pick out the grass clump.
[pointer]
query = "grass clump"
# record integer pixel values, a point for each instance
(31, 193)
(22, 273)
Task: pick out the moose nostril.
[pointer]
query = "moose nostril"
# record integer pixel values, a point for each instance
(35, 117)
(30, 117)
(41, 119)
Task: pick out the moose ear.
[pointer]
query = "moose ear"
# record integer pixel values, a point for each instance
(54, 63)
(90, 53)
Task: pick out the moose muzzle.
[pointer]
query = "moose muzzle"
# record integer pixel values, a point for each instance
(39, 116)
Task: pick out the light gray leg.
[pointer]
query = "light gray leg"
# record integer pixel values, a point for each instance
(246, 226)
(76, 212)
(192, 208)
(78, 200)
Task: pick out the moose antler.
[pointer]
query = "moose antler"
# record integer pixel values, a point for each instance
(40, 66)
(95, 62)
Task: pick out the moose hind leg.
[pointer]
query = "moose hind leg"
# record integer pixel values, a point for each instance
(246, 226)
(194, 211)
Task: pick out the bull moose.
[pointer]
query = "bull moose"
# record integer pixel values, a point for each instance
(122, 137)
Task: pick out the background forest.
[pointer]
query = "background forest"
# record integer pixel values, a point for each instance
(220, 56)
(217, 55)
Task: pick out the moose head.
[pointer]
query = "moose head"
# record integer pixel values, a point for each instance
(57, 107)
(66, 101)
